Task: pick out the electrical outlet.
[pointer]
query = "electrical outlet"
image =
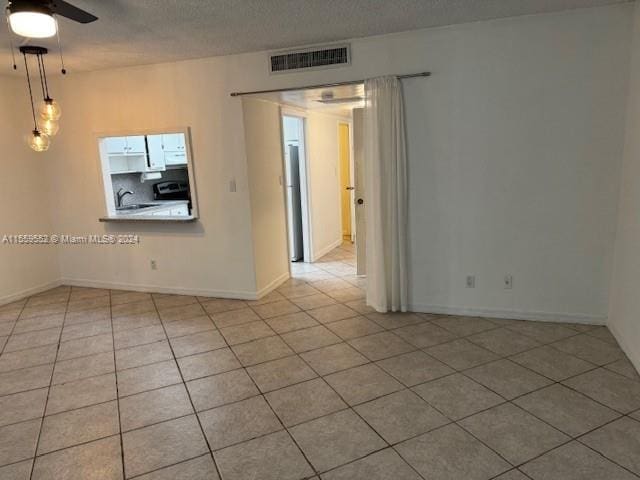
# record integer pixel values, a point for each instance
(471, 281)
(154, 265)
(508, 282)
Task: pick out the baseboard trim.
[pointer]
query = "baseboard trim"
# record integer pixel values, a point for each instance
(512, 314)
(272, 285)
(321, 253)
(234, 294)
(14, 297)
(632, 354)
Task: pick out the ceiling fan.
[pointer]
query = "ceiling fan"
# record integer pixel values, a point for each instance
(35, 18)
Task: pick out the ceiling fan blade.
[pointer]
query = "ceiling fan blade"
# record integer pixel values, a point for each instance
(64, 9)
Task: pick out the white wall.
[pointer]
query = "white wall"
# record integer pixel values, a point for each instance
(263, 137)
(324, 181)
(514, 151)
(624, 312)
(24, 209)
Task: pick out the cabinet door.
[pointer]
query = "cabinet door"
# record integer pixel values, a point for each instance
(180, 211)
(173, 142)
(116, 145)
(156, 155)
(136, 145)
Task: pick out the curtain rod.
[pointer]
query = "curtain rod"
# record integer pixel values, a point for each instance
(324, 85)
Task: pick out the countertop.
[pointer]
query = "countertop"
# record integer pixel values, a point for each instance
(146, 214)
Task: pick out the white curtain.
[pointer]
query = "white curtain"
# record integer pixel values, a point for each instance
(385, 165)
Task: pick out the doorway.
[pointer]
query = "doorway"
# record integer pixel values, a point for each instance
(346, 182)
(293, 136)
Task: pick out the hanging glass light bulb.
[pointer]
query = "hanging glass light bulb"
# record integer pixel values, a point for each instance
(48, 127)
(39, 141)
(49, 109)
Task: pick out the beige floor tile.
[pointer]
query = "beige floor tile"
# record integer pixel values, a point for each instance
(234, 317)
(246, 333)
(457, 396)
(275, 309)
(197, 343)
(354, 327)
(217, 390)
(43, 310)
(254, 459)
(18, 441)
(424, 335)
(34, 324)
(464, 326)
(414, 368)
(148, 377)
(381, 345)
(503, 342)
(201, 468)
(21, 407)
(132, 308)
(81, 393)
(336, 439)
(507, 378)
(83, 367)
(17, 471)
(332, 313)
(97, 314)
(619, 441)
(348, 294)
(81, 330)
(78, 426)
(164, 302)
(567, 410)
(541, 331)
(180, 328)
(461, 354)
(154, 406)
(31, 357)
(359, 306)
(512, 475)
(88, 304)
(624, 367)
(262, 350)
(590, 349)
(270, 297)
(313, 301)
(604, 334)
(83, 347)
(139, 336)
(310, 338)
(208, 363)
(146, 319)
(615, 391)
(304, 401)
(184, 312)
(297, 290)
(361, 384)
(449, 453)
(99, 460)
(395, 320)
(25, 379)
(400, 416)
(238, 422)
(38, 338)
(291, 322)
(217, 305)
(517, 435)
(383, 465)
(120, 298)
(161, 445)
(280, 373)
(143, 355)
(574, 462)
(334, 358)
(552, 363)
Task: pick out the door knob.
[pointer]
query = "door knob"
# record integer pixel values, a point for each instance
(360, 201)
(350, 188)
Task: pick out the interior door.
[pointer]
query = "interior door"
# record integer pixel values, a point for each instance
(358, 167)
(293, 188)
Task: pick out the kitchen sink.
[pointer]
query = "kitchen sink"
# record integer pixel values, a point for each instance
(136, 206)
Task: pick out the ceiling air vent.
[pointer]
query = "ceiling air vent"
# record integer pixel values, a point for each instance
(317, 57)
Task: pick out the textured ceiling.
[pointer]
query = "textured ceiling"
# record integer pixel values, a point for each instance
(135, 32)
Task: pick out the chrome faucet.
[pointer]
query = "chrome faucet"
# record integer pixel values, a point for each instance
(120, 195)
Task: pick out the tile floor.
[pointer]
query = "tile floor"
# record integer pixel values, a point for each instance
(307, 383)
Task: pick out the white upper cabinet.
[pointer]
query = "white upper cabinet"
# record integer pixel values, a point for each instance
(116, 145)
(156, 154)
(173, 142)
(136, 145)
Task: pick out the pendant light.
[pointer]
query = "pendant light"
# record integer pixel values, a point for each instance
(45, 125)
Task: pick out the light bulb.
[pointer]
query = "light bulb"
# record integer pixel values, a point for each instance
(48, 127)
(39, 141)
(33, 24)
(49, 109)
